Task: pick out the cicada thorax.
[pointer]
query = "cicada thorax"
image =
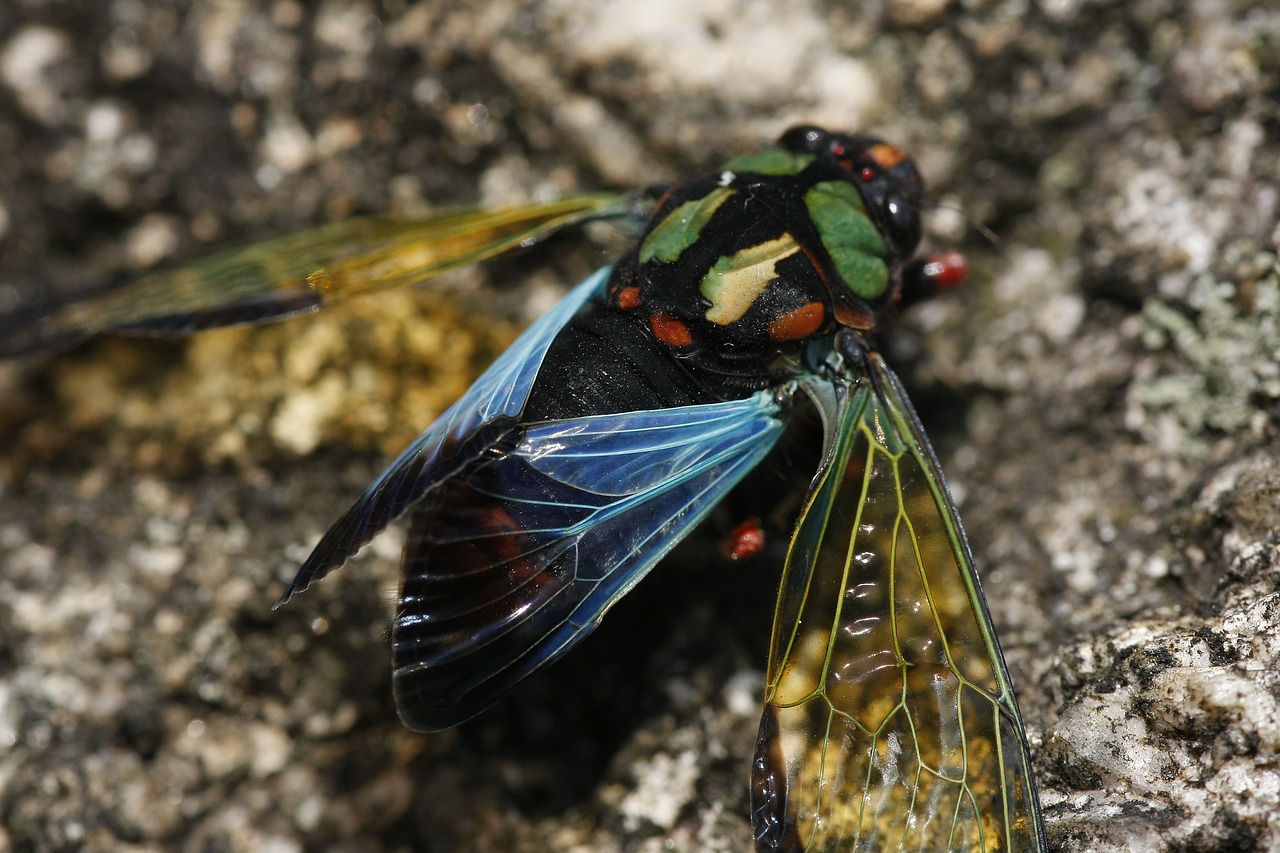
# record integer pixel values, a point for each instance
(737, 275)
(720, 280)
(737, 271)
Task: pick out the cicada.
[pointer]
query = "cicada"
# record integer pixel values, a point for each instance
(621, 418)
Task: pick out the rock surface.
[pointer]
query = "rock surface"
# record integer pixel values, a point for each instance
(1103, 395)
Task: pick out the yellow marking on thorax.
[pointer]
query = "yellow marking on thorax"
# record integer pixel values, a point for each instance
(736, 281)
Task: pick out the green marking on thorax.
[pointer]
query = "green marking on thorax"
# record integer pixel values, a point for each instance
(735, 281)
(771, 161)
(681, 228)
(849, 236)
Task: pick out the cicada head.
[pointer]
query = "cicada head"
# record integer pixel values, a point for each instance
(860, 183)
(740, 269)
(886, 178)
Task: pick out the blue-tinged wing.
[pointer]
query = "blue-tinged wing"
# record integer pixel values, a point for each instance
(889, 723)
(499, 394)
(523, 535)
(515, 558)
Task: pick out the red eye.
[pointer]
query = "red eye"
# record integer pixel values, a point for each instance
(838, 150)
(867, 174)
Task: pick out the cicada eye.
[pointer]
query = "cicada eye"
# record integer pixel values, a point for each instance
(804, 138)
(904, 219)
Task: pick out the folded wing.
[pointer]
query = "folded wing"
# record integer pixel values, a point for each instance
(889, 721)
(515, 558)
(523, 535)
(466, 430)
(301, 273)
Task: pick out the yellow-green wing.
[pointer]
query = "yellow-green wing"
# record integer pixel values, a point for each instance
(889, 721)
(303, 272)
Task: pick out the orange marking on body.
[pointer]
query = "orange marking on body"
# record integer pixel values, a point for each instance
(628, 298)
(797, 324)
(854, 319)
(670, 331)
(886, 156)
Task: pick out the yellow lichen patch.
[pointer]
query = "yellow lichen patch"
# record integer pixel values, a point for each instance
(369, 374)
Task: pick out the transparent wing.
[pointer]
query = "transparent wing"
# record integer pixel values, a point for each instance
(495, 399)
(889, 721)
(523, 535)
(303, 272)
(516, 557)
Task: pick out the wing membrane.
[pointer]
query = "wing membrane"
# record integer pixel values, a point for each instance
(303, 272)
(515, 559)
(889, 722)
(467, 429)
(523, 535)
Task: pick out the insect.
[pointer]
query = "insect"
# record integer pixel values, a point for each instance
(622, 417)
